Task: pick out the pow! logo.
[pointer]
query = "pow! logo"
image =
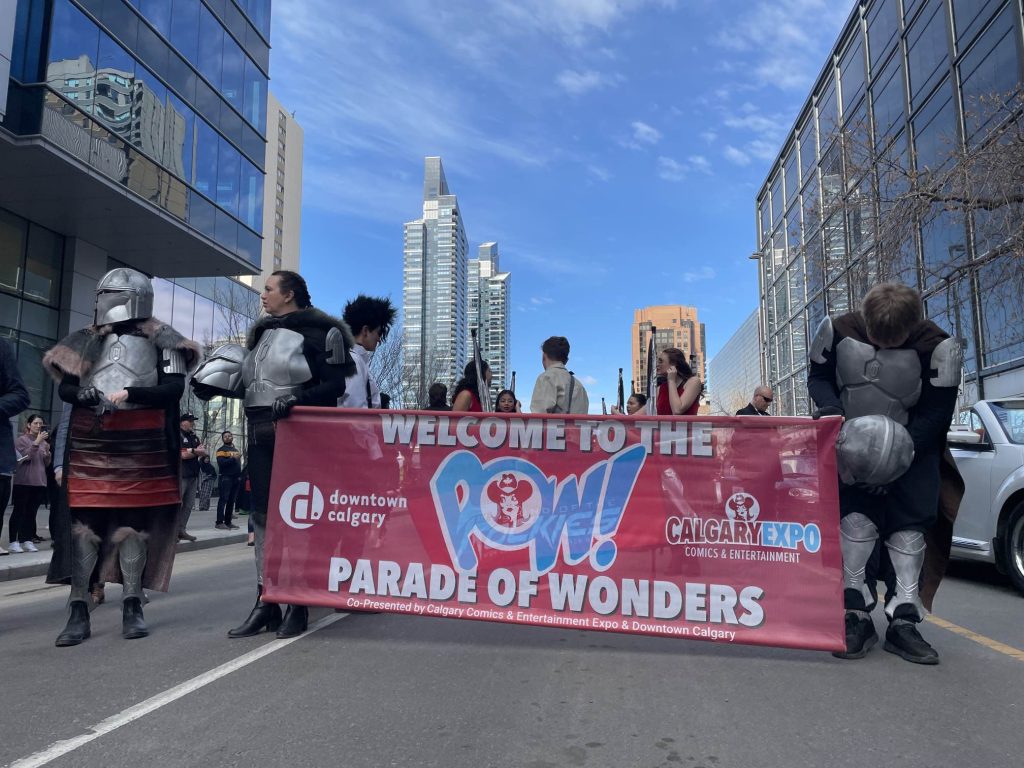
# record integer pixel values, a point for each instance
(743, 507)
(510, 494)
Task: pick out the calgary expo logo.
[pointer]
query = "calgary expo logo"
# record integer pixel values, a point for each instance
(742, 506)
(301, 504)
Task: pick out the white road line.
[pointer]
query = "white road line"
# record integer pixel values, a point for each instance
(61, 748)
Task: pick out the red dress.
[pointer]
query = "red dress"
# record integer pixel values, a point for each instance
(474, 401)
(665, 405)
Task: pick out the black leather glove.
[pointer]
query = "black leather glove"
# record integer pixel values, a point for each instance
(828, 410)
(282, 406)
(89, 396)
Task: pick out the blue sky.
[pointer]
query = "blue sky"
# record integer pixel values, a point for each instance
(613, 148)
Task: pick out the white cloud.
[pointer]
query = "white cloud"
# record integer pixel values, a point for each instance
(702, 273)
(699, 163)
(709, 136)
(541, 300)
(670, 169)
(599, 173)
(645, 134)
(736, 156)
(574, 21)
(578, 83)
(587, 380)
(787, 53)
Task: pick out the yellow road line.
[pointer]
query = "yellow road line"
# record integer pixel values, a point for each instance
(988, 642)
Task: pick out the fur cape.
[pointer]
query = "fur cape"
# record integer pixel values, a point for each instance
(310, 317)
(76, 354)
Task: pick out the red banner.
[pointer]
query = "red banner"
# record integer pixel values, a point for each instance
(721, 529)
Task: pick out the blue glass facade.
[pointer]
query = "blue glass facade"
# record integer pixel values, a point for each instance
(169, 97)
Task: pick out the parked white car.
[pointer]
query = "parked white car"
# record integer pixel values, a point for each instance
(988, 447)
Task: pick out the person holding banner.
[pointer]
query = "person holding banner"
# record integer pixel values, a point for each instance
(467, 388)
(304, 357)
(557, 390)
(634, 405)
(369, 318)
(887, 360)
(507, 403)
(679, 387)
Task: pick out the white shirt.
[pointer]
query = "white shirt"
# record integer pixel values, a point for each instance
(356, 384)
(551, 392)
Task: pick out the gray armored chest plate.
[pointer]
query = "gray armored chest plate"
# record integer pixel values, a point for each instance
(126, 361)
(276, 367)
(884, 382)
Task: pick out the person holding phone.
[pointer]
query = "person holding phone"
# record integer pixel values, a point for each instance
(29, 483)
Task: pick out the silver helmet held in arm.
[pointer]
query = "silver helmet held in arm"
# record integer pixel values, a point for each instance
(123, 294)
(873, 450)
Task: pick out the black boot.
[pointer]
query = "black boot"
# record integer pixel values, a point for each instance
(263, 616)
(133, 624)
(296, 619)
(903, 639)
(77, 629)
(860, 636)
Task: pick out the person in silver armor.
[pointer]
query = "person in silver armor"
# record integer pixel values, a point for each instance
(887, 360)
(123, 377)
(294, 355)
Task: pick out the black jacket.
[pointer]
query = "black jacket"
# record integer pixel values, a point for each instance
(749, 410)
(13, 400)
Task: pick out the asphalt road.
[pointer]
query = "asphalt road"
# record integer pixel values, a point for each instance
(382, 690)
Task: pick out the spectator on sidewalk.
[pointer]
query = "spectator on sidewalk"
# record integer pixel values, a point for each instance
(29, 483)
(759, 403)
(557, 390)
(191, 450)
(229, 465)
(13, 400)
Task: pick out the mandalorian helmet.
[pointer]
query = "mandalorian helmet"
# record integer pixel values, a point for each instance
(873, 450)
(123, 294)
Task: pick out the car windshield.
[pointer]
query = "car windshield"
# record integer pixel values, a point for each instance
(1011, 416)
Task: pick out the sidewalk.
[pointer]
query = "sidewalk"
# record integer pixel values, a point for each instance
(200, 525)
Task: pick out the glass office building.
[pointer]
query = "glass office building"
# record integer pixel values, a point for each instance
(133, 134)
(489, 297)
(434, 290)
(905, 79)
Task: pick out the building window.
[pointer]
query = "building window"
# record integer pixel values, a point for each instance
(927, 51)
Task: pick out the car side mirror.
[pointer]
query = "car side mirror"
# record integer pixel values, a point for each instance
(964, 437)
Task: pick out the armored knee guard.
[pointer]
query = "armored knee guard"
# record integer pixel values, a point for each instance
(857, 537)
(906, 552)
(131, 552)
(85, 551)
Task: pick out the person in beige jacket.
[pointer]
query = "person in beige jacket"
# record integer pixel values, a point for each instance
(557, 390)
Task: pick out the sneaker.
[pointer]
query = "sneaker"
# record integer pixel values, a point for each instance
(231, 526)
(860, 637)
(28, 546)
(221, 527)
(186, 537)
(38, 539)
(903, 639)
(15, 548)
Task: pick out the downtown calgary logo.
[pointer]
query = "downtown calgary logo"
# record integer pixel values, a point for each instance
(302, 504)
(741, 535)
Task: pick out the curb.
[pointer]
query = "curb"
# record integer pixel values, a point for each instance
(28, 570)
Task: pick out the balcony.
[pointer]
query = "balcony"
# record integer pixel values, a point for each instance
(67, 171)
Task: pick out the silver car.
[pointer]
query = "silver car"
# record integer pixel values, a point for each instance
(988, 447)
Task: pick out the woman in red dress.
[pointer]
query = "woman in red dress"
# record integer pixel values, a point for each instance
(679, 387)
(466, 398)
